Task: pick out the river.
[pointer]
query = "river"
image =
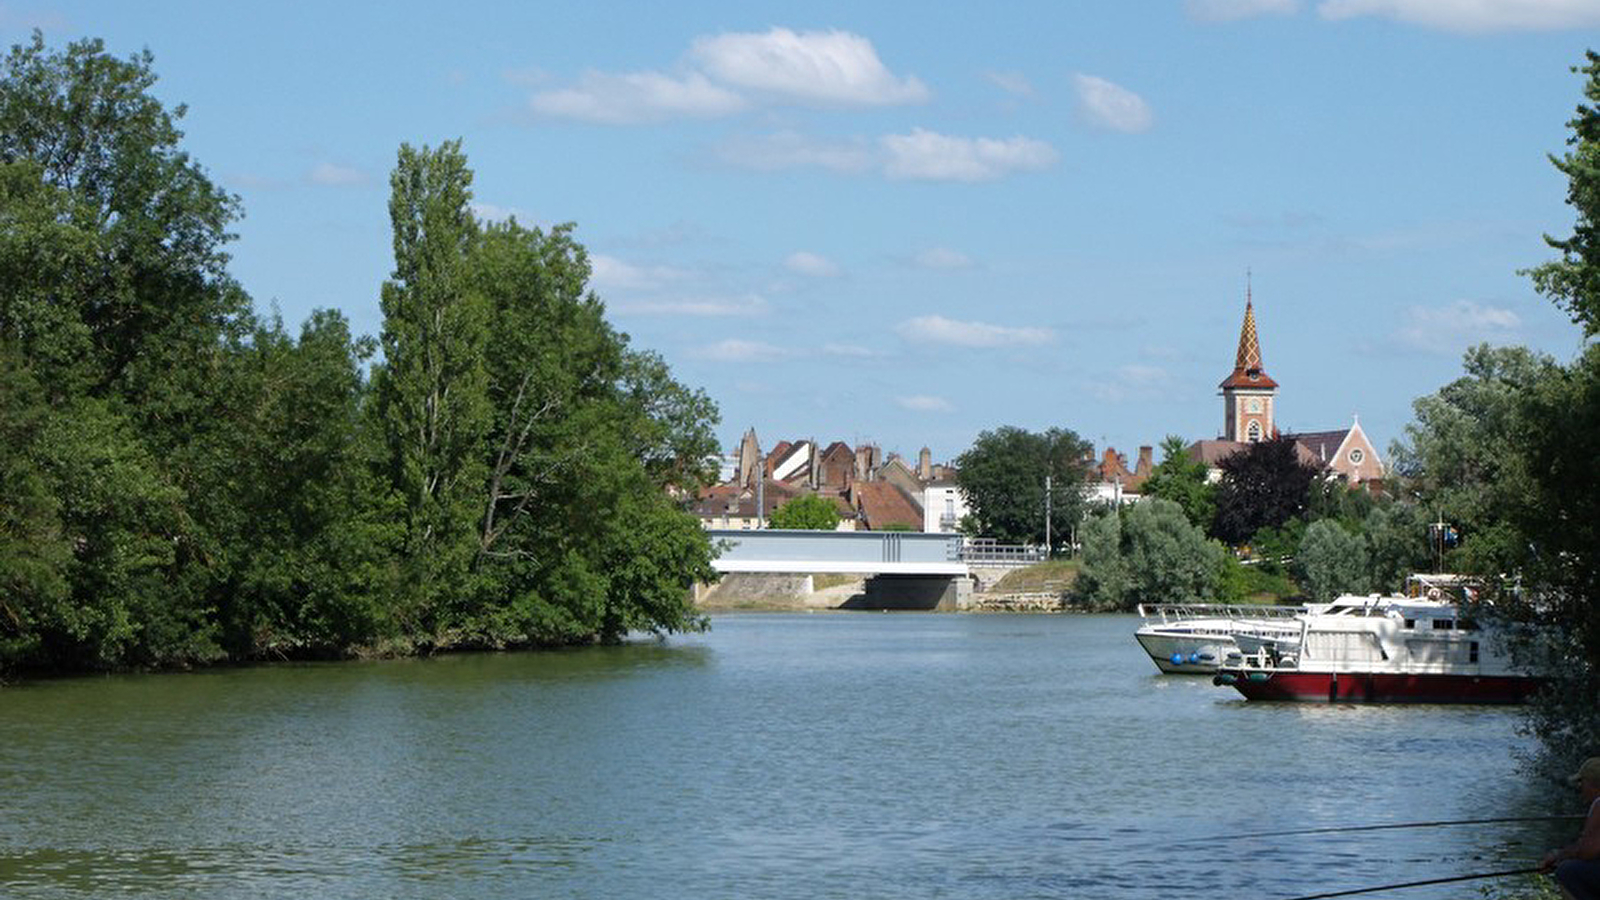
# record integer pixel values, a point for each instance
(848, 755)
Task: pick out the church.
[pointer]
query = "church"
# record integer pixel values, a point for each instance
(1249, 406)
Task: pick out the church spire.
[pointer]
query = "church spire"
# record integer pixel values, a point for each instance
(1248, 394)
(1249, 359)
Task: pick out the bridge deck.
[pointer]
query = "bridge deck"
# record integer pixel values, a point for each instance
(864, 552)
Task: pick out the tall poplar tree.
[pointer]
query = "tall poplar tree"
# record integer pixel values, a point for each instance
(432, 388)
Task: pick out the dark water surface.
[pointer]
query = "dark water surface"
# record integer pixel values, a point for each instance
(806, 756)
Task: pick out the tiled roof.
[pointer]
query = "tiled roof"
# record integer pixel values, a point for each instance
(883, 504)
(1324, 445)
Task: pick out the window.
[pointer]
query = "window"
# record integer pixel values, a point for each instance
(1254, 432)
(1444, 624)
(1411, 623)
(1356, 456)
(1472, 655)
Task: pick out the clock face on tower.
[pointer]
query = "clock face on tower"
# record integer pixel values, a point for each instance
(1253, 405)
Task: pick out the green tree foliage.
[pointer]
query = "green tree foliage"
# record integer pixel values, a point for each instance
(1463, 455)
(807, 511)
(1332, 561)
(1573, 281)
(188, 482)
(1003, 477)
(1558, 611)
(580, 422)
(1263, 486)
(432, 389)
(1183, 481)
(1397, 545)
(1147, 552)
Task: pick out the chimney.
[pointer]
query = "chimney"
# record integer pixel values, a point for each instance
(1145, 463)
(925, 464)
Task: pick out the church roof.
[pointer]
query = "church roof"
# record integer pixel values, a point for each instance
(1324, 444)
(1247, 370)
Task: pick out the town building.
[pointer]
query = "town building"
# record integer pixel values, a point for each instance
(870, 490)
(1249, 408)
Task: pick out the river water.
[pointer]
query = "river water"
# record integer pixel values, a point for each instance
(808, 756)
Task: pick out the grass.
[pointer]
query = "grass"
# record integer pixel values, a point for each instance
(1057, 575)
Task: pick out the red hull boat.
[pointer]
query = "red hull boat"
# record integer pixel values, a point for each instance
(1379, 650)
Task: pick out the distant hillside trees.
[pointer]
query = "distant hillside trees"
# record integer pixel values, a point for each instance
(1003, 477)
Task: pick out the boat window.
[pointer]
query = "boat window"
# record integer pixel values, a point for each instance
(1473, 654)
(1444, 624)
(1466, 625)
(1411, 623)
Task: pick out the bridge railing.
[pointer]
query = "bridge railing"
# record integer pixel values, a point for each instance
(989, 552)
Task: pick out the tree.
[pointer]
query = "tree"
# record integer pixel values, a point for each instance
(432, 390)
(1573, 281)
(1396, 537)
(580, 424)
(1146, 553)
(1463, 454)
(1263, 486)
(1183, 481)
(1331, 561)
(807, 511)
(1003, 477)
(142, 286)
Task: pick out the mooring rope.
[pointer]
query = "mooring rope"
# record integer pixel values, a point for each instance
(1383, 827)
(1410, 884)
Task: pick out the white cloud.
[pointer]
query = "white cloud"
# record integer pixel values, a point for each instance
(611, 273)
(705, 307)
(331, 175)
(1112, 106)
(930, 156)
(489, 212)
(724, 74)
(802, 262)
(922, 154)
(829, 68)
(735, 350)
(1135, 381)
(789, 150)
(849, 351)
(1011, 82)
(939, 330)
(1446, 329)
(1229, 10)
(942, 258)
(1472, 15)
(924, 403)
(637, 98)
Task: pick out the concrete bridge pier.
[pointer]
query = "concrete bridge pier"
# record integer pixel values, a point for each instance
(945, 593)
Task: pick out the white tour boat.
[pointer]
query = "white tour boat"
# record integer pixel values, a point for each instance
(1382, 650)
(1195, 638)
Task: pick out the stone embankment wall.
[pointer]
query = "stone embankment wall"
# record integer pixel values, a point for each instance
(780, 592)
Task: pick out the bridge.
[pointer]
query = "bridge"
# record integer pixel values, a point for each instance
(907, 569)
(862, 552)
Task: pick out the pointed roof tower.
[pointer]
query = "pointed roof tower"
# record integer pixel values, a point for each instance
(1247, 370)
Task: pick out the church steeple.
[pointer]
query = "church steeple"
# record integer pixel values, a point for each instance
(1248, 393)
(1249, 359)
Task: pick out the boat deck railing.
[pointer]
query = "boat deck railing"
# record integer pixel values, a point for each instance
(1179, 612)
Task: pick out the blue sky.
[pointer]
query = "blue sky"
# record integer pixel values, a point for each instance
(908, 223)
